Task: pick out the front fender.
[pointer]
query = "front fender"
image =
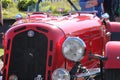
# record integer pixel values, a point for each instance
(112, 52)
(114, 28)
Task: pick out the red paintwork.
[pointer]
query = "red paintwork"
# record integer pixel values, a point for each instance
(86, 26)
(113, 55)
(53, 31)
(112, 47)
(113, 26)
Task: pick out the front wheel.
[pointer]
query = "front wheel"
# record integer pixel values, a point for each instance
(112, 74)
(97, 77)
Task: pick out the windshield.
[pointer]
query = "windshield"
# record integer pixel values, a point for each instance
(62, 7)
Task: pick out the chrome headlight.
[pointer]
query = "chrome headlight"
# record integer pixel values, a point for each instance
(61, 74)
(73, 48)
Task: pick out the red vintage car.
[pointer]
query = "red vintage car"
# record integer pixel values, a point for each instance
(75, 46)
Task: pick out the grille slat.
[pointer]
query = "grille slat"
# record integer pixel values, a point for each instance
(19, 29)
(28, 56)
(8, 44)
(41, 29)
(51, 45)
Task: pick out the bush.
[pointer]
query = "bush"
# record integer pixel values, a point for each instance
(31, 2)
(4, 4)
(23, 4)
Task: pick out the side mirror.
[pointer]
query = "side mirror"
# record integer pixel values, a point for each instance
(105, 16)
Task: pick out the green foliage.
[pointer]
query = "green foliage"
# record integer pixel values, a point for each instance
(10, 12)
(1, 51)
(54, 7)
(14, 8)
(4, 4)
(23, 4)
(31, 2)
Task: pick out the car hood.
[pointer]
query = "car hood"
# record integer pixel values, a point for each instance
(68, 24)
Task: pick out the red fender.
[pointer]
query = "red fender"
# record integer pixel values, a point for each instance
(113, 26)
(112, 52)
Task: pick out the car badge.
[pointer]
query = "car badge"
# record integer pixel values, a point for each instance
(39, 77)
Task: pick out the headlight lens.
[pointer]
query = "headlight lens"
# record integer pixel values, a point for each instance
(60, 74)
(73, 48)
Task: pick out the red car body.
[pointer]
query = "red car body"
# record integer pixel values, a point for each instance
(56, 30)
(26, 57)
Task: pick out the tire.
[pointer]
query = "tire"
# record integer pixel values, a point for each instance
(112, 74)
(98, 77)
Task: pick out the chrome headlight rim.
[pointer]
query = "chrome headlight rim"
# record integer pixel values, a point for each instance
(67, 75)
(80, 42)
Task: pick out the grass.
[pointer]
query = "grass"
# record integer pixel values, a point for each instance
(11, 12)
(1, 51)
